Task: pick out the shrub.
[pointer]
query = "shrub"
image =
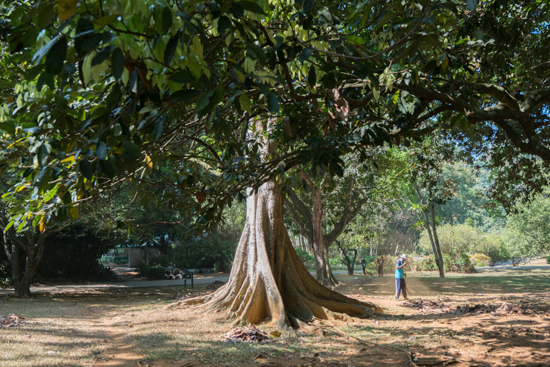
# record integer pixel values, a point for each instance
(462, 264)
(205, 252)
(548, 259)
(480, 260)
(426, 263)
(499, 254)
(151, 272)
(74, 253)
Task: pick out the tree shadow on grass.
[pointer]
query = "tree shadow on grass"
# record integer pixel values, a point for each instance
(279, 352)
(462, 338)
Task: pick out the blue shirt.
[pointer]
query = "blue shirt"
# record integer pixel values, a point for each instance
(399, 272)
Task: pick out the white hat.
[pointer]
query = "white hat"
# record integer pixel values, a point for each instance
(404, 256)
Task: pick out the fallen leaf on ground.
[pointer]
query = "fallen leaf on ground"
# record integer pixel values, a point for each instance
(249, 334)
(11, 321)
(217, 284)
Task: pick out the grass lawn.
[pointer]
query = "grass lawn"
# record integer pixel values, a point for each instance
(131, 327)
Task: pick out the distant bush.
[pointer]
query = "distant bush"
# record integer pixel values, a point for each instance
(206, 252)
(463, 238)
(548, 259)
(151, 272)
(307, 259)
(480, 260)
(424, 263)
(499, 254)
(459, 263)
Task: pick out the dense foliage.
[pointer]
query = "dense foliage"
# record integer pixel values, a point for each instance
(165, 99)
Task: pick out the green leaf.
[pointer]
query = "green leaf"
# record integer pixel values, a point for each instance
(204, 100)
(45, 15)
(107, 169)
(43, 155)
(106, 20)
(132, 149)
(86, 169)
(44, 50)
(336, 168)
(312, 76)
(183, 95)
(166, 19)
(478, 34)
(182, 76)
(10, 224)
(102, 55)
(101, 151)
(385, 19)
(305, 54)
(256, 52)
(8, 126)
(245, 102)
(308, 6)
(272, 103)
(471, 5)
(223, 24)
(251, 6)
(159, 127)
(171, 48)
(33, 72)
(117, 63)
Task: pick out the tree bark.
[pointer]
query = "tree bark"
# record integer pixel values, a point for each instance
(268, 281)
(24, 254)
(435, 245)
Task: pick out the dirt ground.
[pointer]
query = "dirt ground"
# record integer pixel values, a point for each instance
(458, 321)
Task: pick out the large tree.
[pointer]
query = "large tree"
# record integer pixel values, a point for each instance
(268, 279)
(109, 91)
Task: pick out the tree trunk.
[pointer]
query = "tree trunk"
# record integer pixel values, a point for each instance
(435, 245)
(350, 263)
(322, 264)
(268, 279)
(22, 286)
(311, 223)
(24, 254)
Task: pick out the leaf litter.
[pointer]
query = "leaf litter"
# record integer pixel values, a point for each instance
(183, 296)
(11, 321)
(250, 334)
(217, 284)
(431, 307)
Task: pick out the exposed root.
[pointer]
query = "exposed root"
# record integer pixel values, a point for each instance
(268, 280)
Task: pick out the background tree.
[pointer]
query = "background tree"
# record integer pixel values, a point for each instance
(310, 219)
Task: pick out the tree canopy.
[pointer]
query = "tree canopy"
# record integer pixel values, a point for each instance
(100, 93)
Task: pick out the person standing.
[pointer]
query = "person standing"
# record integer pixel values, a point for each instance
(380, 262)
(400, 285)
(364, 265)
